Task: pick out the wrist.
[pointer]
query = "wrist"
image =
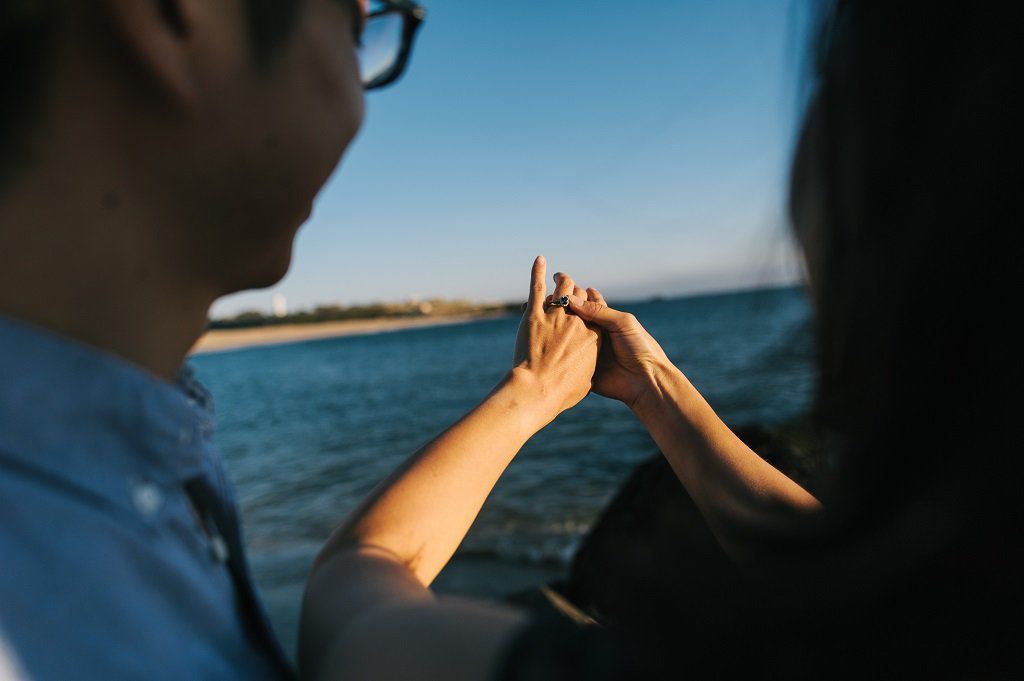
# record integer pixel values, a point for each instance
(529, 398)
(659, 382)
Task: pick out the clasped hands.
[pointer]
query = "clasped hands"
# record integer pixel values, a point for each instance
(565, 353)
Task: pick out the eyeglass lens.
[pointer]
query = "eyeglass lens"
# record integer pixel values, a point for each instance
(382, 44)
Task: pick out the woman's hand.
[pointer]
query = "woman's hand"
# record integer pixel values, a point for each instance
(556, 352)
(630, 357)
(747, 502)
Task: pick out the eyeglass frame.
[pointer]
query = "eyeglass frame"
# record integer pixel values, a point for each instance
(413, 15)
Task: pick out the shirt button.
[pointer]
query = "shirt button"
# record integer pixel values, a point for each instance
(218, 549)
(147, 498)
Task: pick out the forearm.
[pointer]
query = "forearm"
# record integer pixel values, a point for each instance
(367, 611)
(421, 513)
(741, 495)
(370, 580)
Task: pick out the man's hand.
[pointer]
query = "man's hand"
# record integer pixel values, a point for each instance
(556, 352)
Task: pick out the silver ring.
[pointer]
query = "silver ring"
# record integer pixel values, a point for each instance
(560, 302)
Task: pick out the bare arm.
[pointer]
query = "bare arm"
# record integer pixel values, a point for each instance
(422, 511)
(743, 497)
(370, 581)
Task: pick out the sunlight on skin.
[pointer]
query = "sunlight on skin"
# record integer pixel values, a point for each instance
(371, 580)
(402, 526)
(740, 494)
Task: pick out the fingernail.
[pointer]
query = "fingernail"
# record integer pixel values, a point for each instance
(575, 300)
(539, 259)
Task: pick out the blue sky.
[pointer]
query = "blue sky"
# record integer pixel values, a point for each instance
(641, 147)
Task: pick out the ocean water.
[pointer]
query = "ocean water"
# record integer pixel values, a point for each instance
(307, 429)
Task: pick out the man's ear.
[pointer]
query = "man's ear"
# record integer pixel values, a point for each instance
(155, 33)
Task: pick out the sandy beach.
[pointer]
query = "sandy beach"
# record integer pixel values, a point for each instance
(232, 339)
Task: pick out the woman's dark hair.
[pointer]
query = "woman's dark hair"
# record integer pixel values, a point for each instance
(911, 132)
(901, 194)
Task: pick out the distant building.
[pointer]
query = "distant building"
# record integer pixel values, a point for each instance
(280, 305)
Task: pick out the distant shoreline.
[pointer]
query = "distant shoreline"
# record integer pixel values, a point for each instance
(223, 340)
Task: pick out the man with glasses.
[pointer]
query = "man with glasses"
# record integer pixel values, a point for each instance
(156, 155)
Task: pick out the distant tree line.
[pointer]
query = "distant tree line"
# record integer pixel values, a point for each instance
(333, 313)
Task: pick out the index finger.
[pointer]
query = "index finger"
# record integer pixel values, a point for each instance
(538, 289)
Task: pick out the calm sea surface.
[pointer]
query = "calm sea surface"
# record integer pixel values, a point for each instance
(307, 429)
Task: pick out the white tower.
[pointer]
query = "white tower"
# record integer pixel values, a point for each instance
(280, 305)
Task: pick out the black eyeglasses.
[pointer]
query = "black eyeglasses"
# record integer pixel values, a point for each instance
(387, 42)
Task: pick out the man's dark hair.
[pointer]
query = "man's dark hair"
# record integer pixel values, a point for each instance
(270, 21)
(27, 28)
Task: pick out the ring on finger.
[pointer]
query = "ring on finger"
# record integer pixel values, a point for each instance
(562, 301)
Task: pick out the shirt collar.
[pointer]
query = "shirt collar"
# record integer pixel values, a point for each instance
(94, 420)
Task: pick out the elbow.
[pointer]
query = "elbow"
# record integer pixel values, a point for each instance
(755, 535)
(347, 582)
